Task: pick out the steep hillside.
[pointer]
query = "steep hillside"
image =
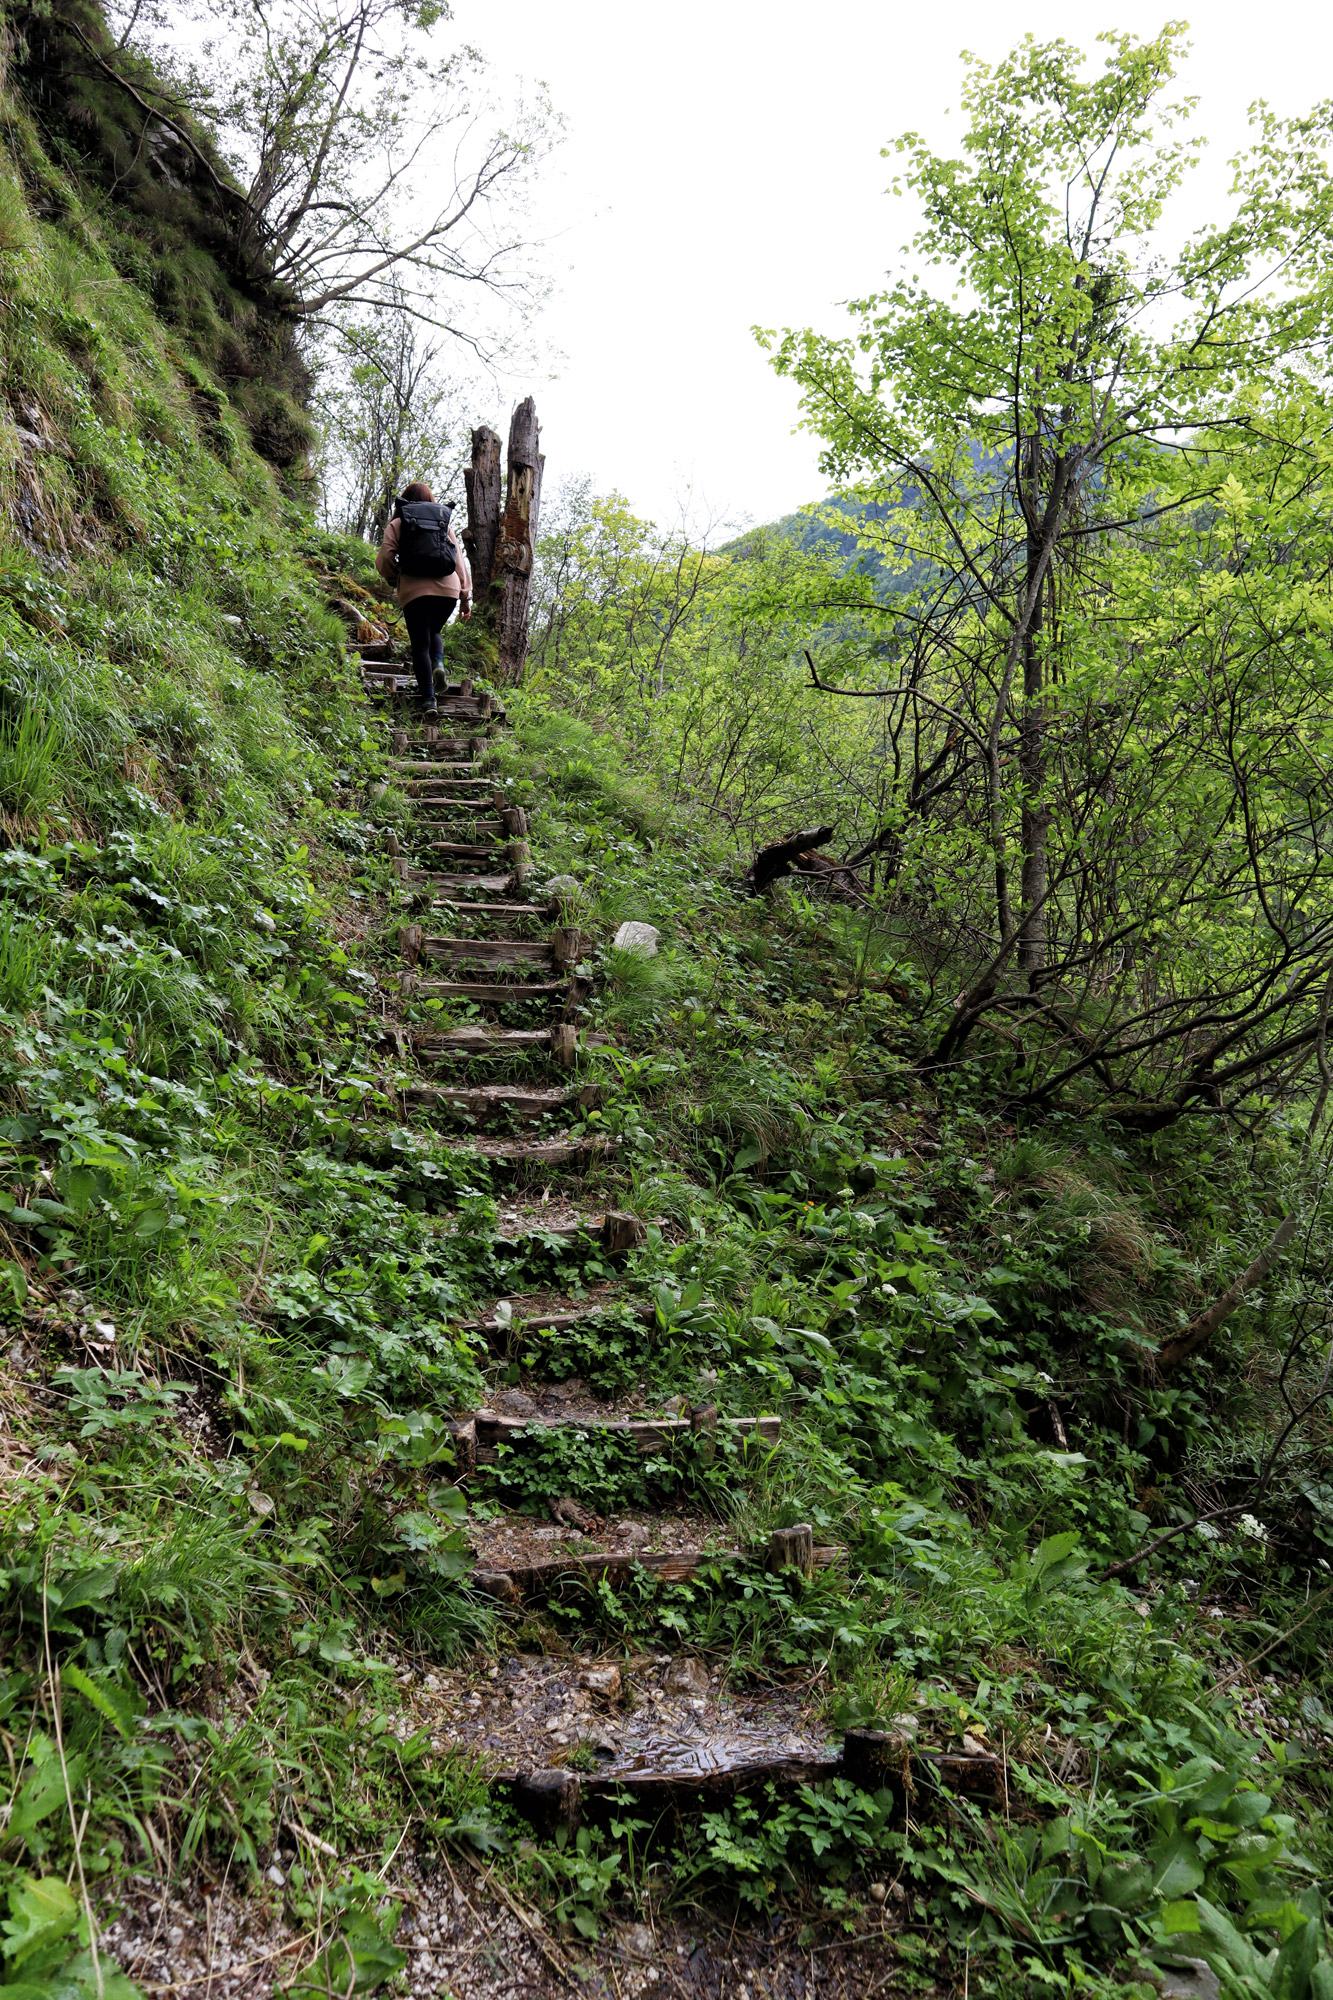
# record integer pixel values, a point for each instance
(532, 1463)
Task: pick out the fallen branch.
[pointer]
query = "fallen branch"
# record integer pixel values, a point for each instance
(776, 859)
(1201, 1329)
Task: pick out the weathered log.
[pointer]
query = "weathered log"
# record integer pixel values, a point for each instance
(792, 1548)
(410, 941)
(514, 821)
(564, 1044)
(511, 578)
(481, 482)
(391, 844)
(565, 941)
(776, 859)
(398, 742)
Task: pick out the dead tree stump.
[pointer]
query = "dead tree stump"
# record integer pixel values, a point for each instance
(792, 1548)
(482, 483)
(511, 577)
(621, 1231)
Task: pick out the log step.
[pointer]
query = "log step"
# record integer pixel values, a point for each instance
(485, 1099)
(515, 1582)
(488, 951)
(542, 1322)
(413, 764)
(713, 1774)
(494, 1428)
(461, 904)
(479, 1040)
(545, 1152)
(476, 989)
(423, 878)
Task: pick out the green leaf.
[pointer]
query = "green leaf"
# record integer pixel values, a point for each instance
(1176, 1866)
(42, 1911)
(1176, 1918)
(14, 1280)
(110, 1701)
(353, 1964)
(44, 1792)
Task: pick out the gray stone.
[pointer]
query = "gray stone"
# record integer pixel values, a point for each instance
(563, 889)
(638, 938)
(686, 1676)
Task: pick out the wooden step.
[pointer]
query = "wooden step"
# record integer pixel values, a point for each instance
(707, 1777)
(488, 951)
(491, 885)
(494, 1428)
(565, 1152)
(463, 906)
(459, 850)
(455, 823)
(454, 792)
(485, 1100)
(514, 1583)
(586, 1316)
(476, 989)
(480, 1039)
(411, 764)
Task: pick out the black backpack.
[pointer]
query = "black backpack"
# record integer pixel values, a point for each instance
(424, 548)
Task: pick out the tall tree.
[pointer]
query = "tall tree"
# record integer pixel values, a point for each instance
(390, 410)
(1061, 393)
(371, 170)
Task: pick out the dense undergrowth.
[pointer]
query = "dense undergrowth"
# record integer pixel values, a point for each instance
(238, 1278)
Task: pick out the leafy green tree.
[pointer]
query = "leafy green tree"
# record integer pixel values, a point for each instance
(1085, 455)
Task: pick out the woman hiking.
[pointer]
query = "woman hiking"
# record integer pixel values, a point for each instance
(421, 556)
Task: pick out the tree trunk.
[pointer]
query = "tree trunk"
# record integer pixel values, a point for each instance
(482, 481)
(1032, 752)
(1201, 1330)
(511, 579)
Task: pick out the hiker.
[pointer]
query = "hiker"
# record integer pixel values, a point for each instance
(421, 555)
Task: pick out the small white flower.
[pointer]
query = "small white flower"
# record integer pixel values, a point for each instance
(1255, 1530)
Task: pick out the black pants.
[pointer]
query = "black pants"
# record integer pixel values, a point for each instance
(426, 618)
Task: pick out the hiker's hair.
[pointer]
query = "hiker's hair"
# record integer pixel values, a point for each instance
(418, 490)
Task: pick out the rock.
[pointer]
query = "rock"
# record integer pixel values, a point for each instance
(568, 1510)
(514, 1403)
(877, 1892)
(974, 1747)
(562, 889)
(637, 1938)
(686, 1676)
(641, 939)
(570, 1391)
(908, 1725)
(604, 1681)
(1181, 1979)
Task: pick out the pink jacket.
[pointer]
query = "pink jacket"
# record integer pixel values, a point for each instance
(386, 562)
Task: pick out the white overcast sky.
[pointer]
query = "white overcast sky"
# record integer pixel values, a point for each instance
(722, 168)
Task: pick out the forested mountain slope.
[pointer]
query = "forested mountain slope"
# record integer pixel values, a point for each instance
(532, 1464)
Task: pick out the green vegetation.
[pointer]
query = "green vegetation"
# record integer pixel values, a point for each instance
(239, 1282)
